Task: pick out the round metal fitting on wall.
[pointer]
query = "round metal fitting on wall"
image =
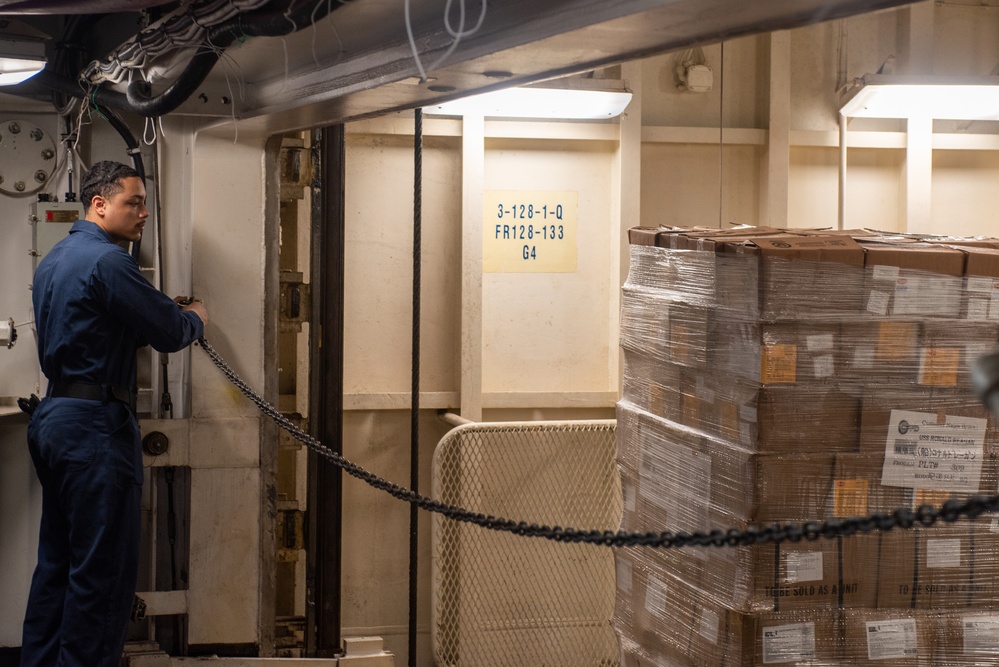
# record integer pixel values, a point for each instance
(155, 443)
(27, 157)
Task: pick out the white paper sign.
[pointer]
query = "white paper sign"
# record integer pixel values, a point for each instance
(709, 626)
(891, 639)
(981, 635)
(889, 273)
(788, 643)
(655, 597)
(819, 342)
(803, 566)
(923, 454)
(624, 577)
(943, 553)
(877, 303)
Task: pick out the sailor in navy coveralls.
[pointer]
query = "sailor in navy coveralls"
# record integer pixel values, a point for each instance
(93, 309)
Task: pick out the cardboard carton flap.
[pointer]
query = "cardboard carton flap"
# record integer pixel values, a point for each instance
(923, 257)
(841, 249)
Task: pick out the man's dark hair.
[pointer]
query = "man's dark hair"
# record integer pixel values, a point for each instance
(104, 179)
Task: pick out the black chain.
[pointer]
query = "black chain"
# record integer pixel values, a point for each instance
(925, 515)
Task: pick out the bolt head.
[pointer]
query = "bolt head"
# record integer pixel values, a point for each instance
(19, 186)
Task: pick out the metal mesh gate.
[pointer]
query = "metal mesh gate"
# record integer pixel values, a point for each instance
(504, 600)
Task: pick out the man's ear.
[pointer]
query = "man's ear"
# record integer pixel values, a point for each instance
(98, 205)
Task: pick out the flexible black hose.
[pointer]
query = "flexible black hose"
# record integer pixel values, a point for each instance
(133, 151)
(137, 98)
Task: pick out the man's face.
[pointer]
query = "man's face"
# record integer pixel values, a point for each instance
(123, 215)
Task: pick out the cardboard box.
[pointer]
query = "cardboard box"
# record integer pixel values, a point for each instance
(967, 638)
(827, 574)
(888, 638)
(857, 488)
(802, 276)
(932, 439)
(945, 566)
(913, 280)
(980, 301)
(799, 352)
(880, 352)
(812, 636)
(801, 420)
(643, 235)
(948, 348)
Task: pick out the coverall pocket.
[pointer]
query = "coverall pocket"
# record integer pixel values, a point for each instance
(125, 449)
(69, 435)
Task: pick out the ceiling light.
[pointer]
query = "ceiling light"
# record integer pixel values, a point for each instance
(20, 58)
(539, 102)
(889, 96)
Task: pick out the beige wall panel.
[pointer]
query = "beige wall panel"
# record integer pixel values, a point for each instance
(376, 529)
(680, 184)
(228, 259)
(744, 76)
(873, 188)
(817, 69)
(964, 41)
(379, 264)
(965, 193)
(548, 332)
(225, 556)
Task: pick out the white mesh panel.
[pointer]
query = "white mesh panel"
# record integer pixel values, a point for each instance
(500, 599)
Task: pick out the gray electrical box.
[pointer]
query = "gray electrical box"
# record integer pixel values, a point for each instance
(51, 222)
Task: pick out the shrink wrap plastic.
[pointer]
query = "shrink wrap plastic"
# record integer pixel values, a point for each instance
(777, 376)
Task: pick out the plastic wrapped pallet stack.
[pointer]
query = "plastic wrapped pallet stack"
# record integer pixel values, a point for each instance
(776, 376)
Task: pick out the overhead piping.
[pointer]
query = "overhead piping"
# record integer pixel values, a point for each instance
(138, 98)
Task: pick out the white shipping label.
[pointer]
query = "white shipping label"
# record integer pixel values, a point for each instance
(981, 635)
(921, 453)
(909, 296)
(863, 356)
(820, 342)
(877, 303)
(824, 366)
(943, 553)
(745, 434)
(803, 566)
(709, 626)
(889, 273)
(624, 577)
(654, 478)
(747, 413)
(788, 643)
(978, 309)
(630, 494)
(982, 284)
(689, 497)
(940, 295)
(655, 597)
(704, 392)
(994, 307)
(994, 524)
(890, 639)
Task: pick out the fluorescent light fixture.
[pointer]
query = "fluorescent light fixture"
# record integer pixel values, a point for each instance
(20, 59)
(884, 96)
(552, 103)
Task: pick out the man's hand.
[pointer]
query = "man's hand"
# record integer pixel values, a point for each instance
(198, 308)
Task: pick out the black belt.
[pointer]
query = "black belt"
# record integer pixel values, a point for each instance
(93, 392)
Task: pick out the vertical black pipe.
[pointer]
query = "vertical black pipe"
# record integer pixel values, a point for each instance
(414, 422)
(326, 392)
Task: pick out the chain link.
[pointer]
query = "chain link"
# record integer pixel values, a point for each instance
(924, 515)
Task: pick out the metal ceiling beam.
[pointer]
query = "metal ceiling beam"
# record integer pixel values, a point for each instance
(521, 41)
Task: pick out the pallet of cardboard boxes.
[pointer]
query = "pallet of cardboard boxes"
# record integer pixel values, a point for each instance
(782, 376)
